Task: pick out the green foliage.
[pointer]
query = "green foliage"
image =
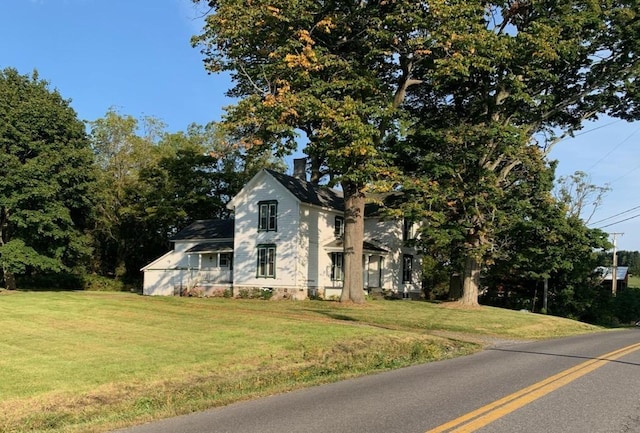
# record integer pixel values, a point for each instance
(336, 72)
(156, 183)
(47, 281)
(98, 283)
(625, 258)
(502, 83)
(46, 180)
(626, 305)
(255, 293)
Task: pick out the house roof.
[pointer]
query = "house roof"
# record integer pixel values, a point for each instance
(320, 195)
(206, 229)
(606, 272)
(212, 247)
(337, 245)
(309, 193)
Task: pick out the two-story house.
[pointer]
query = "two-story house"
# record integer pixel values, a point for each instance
(286, 237)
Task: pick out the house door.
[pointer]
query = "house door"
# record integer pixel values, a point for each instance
(373, 272)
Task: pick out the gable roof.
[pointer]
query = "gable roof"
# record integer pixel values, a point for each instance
(206, 229)
(212, 247)
(309, 193)
(607, 272)
(337, 245)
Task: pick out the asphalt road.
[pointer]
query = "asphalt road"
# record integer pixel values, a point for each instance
(578, 384)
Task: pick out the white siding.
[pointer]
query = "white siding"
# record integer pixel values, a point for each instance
(248, 237)
(303, 261)
(318, 226)
(388, 235)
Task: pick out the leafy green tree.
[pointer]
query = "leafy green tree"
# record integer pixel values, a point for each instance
(503, 82)
(195, 176)
(337, 72)
(630, 259)
(549, 244)
(121, 153)
(46, 180)
(625, 258)
(154, 183)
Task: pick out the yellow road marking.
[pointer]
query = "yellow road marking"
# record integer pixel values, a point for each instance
(478, 418)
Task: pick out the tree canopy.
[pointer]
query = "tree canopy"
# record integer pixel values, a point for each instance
(153, 183)
(46, 180)
(504, 81)
(465, 98)
(338, 72)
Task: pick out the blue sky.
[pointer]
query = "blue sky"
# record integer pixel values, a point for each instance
(135, 56)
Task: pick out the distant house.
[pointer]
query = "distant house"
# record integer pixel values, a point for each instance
(286, 237)
(622, 280)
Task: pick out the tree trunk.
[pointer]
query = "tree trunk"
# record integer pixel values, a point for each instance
(9, 277)
(9, 280)
(470, 282)
(353, 289)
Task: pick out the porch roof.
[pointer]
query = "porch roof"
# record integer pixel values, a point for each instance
(211, 247)
(367, 247)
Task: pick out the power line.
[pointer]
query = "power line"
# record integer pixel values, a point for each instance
(625, 175)
(597, 127)
(613, 216)
(614, 148)
(621, 221)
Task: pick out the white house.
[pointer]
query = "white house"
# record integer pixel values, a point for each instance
(286, 238)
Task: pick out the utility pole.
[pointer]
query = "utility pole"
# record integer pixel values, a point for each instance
(614, 268)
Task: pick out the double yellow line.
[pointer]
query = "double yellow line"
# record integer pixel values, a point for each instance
(479, 418)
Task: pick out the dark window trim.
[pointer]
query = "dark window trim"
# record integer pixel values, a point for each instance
(338, 226)
(266, 248)
(407, 268)
(268, 216)
(337, 263)
(407, 230)
(227, 260)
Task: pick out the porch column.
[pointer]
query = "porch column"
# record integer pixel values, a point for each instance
(367, 262)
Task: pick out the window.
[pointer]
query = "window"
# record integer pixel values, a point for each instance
(224, 260)
(267, 216)
(407, 230)
(266, 261)
(337, 266)
(407, 268)
(338, 227)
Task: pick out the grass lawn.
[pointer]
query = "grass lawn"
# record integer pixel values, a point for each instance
(94, 361)
(634, 281)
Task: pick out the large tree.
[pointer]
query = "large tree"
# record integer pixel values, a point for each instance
(46, 184)
(542, 241)
(338, 72)
(154, 183)
(505, 82)
(123, 147)
(195, 176)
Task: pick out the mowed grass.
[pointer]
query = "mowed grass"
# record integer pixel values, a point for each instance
(91, 362)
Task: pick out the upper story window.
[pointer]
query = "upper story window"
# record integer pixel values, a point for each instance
(268, 216)
(408, 231)
(338, 227)
(407, 268)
